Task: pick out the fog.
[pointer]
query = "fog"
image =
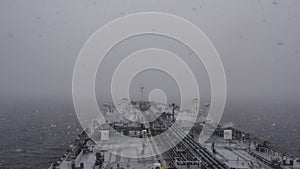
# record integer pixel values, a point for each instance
(258, 42)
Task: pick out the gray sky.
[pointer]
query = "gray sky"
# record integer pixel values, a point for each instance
(258, 42)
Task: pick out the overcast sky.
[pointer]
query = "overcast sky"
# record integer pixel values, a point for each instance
(258, 42)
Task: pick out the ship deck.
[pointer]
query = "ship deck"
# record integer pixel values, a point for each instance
(119, 152)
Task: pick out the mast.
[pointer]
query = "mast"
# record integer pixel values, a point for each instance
(142, 92)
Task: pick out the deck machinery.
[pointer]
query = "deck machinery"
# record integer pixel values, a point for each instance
(241, 151)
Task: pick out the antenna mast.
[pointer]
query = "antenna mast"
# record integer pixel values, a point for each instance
(142, 92)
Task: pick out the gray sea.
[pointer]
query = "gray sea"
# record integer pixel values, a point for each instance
(33, 134)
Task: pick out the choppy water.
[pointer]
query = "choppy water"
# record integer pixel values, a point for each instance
(32, 135)
(278, 122)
